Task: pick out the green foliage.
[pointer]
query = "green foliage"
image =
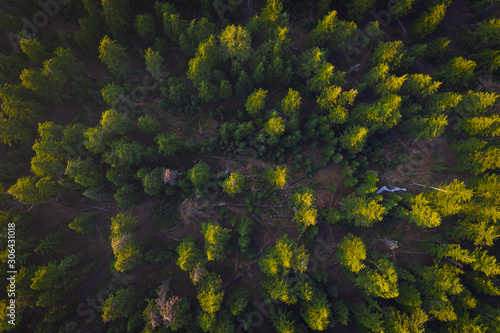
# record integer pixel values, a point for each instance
(351, 253)
(125, 247)
(437, 48)
(169, 144)
(381, 281)
(362, 211)
(154, 63)
(333, 100)
(238, 301)
(115, 306)
(25, 191)
(357, 9)
(114, 56)
(148, 125)
(117, 14)
(189, 255)
(276, 177)
(235, 43)
(475, 103)
(216, 238)
(83, 224)
(84, 172)
(428, 22)
(19, 102)
(152, 181)
(199, 175)
(145, 26)
(317, 313)
(234, 184)
(49, 244)
(256, 102)
(388, 53)
(458, 71)
(354, 138)
(34, 50)
(225, 89)
(422, 214)
(426, 128)
(421, 85)
(291, 103)
(285, 256)
(209, 293)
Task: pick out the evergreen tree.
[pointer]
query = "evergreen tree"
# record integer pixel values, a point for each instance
(169, 144)
(234, 184)
(354, 138)
(26, 192)
(123, 242)
(189, 255)
(358, 8)
(118, 17)
(277, 177)
(363, 211)
(317, 313)
(154, 63)
(381, 281)
(256, 102)
(199, 175)
(458, 71)
(422, 214)
(34, 50)
(426, 128)
(145, 26)
(114, 56)
(235, 43)
(148, 125)
(291, 103)
(210, 294)
(351, 253)
(115, 306)
(216, 238)
(428, 22)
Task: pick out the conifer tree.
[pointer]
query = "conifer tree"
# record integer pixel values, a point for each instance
(34, 50)
(235, 43)
(351, 253)
(114, 56)
(210, 294)
(216, 238)
(381, 281)
(256, 102)
(428, 22)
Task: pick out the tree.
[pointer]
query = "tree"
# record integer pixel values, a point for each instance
(489, 159)
(363, 211)
(116, 305)
(26, 192)
(169, 144)
(125, 247)
(271, 15)
(317, 313)
(46, 88)
(126, 195)
(19, 102)
(381, 281)
(256, 102)
(390, 85)
(154, 63)
(34, 50)
(382, 115)
(475, 103)
(113, 95)
(189, 255)
(235, 43)
(84, 172)
(243, 84)
(234, 184)
(209, 294)
(458, 71)
(118, 17)
(10, 67)
(124, 154)
(13, 131)
(199, 175)
(482, 126)
(284, 257)
(50, 154)
(152, 181)
(429, 21)
(275, 127)
(145, 26)
(354, 138)
(426, 128)
(291, 103)
(238, 301)
(116, 123)
(216, 238)
(388, 53)
(114, 56)
(324, 77)
(225, 89)
(422, 214)
(351, 253)
(451, 199)
(83, 224)
(305, 213)
(421, 85)
(334, 100)
(148, 125)
(277, 177)
(358, 8)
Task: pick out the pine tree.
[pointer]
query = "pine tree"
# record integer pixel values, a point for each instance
(234, 184)
(381, 281)
(243, 84)
(351, 253)
(118, 17)
(482, 126)
(34, 50)
(458, 71)
(476, 103)
(291, 103)
(428, 22)
(199, 175)
(422, 214)
(189, 255)
(154, 63)
(363, 211)
(488, 159)
(148, 125)
(357, 9)
(83, 224)
(114, 56)
(421, 85)
(235, 43)
(256, 102)
(277, 177)
(116, 305)
(169, 144)
(334, 100)
(26, 192)
(14, 131)
(210, 294)
(354, 138)
(216, 238)
(225, 89)
(145, 26)
(426, 128)
(125, 247)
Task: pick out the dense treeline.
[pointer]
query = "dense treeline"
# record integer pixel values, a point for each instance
(196, 136)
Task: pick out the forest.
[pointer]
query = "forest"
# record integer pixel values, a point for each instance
(249, 166)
